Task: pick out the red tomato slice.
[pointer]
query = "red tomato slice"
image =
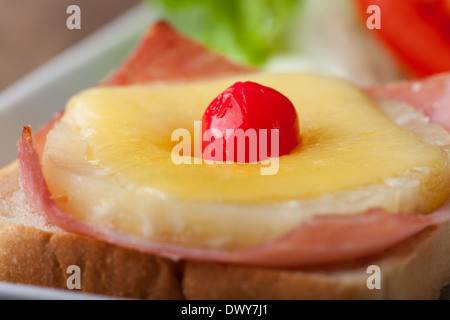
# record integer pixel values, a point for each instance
(416, 31)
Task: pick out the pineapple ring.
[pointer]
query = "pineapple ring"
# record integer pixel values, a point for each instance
(108, 162)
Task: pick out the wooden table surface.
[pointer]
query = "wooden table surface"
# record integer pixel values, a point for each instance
(34, 31)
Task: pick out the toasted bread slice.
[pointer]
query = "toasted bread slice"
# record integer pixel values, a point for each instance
(35, 252)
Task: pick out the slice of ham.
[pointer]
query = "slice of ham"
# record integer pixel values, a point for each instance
(430, 95)
(40, 136)
(163, 55)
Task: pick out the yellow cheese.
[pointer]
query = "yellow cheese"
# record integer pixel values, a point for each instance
(120, 145)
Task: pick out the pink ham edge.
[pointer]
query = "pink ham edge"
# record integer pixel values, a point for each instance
(163, 54)
(430, 95)
(319, 240)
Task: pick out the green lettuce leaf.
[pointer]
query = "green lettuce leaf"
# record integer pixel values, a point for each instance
(249, 31)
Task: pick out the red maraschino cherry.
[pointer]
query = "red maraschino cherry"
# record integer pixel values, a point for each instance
(259, 115)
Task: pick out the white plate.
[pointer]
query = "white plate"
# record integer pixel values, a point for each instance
(10, 291)
(35, 98)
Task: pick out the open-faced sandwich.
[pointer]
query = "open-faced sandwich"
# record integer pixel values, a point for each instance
(120, 184)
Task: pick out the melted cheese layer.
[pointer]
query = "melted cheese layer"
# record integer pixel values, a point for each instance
(108, 162)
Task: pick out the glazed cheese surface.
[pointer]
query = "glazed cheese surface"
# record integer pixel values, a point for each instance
(108, 162)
